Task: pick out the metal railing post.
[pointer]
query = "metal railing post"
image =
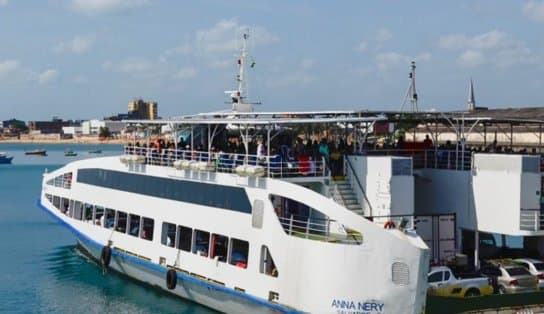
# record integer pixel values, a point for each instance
(327, 233)
(537, 216)
(291, 224)
(307, 228)
(425, 159)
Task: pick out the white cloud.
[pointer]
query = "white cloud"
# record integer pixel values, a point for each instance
(3, 3)
(222, 64)
(471, 58)
(297, 78)
(534, 10)
(493, 47)
(184, 49)
(80, 44)
(387, 60)
(383, 35)
(225, 37)
(48, 76)
(129, 66)
(307, 64)
(426, 56)
(185, 73)
(8, 67)
(490, 40)
(362, 47)
(94, 7)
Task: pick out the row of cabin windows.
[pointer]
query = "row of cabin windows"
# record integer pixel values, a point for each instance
(202, 243)
(134, 225)
(232, 251)
(215, 246)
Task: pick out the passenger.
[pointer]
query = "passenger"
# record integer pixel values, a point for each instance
(261, 154)
(427, 142)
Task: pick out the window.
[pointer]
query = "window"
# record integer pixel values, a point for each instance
(220, 245)
(78, 210)
(64, 204)
(134, 229)
(185, 238)
(517, 271)
(49, 197)
(147, 229)
(305, 219)
(206, 194)
(63, 181)
(539, 266)
(88, 212)
(71, 206)
(99, 215)
(446, 276)
(239, 252)
(121, 225)
(110, 218)
(436, 277)
(168, 236)
(267, 265)
(56, 202)
(202, 242)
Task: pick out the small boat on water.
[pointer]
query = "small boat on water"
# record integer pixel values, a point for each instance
(4, 159)
(39, 152)
(69, 153)
(97, 151)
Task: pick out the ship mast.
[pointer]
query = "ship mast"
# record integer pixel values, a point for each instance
(239, 96)
(411, 92)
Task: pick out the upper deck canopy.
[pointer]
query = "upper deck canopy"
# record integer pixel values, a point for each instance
(266, 118)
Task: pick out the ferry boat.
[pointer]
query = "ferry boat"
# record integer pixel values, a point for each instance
(5, 159)
(235, 231)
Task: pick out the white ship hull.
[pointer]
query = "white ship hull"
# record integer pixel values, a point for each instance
(314, 276)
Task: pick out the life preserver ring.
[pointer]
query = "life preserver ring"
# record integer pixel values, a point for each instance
(171, 279)
(389, 225)
(105, 257)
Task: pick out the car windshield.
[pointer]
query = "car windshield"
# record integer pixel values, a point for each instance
(517, 271)
(539, 266)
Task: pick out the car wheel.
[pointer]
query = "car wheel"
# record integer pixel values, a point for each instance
(472, 293)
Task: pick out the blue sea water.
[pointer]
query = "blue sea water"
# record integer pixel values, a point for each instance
(41, 271)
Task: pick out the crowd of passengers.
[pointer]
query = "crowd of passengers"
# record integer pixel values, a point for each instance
(304, 156)
(300, 155)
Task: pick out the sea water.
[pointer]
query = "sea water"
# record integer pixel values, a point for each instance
(41, 270)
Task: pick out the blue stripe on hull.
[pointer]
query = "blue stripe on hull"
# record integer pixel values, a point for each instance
(161, 270)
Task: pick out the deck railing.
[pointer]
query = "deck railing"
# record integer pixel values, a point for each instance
(430, 158)
(271, 166)
(531, 220)
(319, 230)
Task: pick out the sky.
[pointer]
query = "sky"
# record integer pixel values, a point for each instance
(83, 59)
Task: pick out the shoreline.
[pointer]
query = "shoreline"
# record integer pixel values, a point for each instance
(65, 141)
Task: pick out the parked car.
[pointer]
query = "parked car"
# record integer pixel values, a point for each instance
(443, 282)
(510, 277)
(535, 267)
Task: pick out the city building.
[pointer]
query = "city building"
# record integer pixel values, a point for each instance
(139, 109)
(92, 127)
(13, 127)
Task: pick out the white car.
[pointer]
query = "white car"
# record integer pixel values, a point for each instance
(535, 267)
